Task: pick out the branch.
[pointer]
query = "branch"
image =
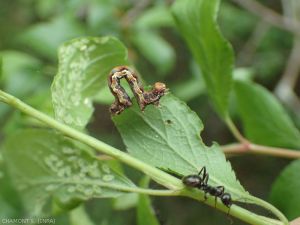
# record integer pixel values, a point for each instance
(285, 86)
(246, 146)
(134, 12)
(270, 16)
(250, 148)
(247, 52)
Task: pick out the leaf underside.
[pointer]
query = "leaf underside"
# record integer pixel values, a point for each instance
(84, 65)
(168, 137)
(44, 164)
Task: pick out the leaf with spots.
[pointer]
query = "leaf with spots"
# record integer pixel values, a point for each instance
(169, 137)
(84, 65)
(46, 166)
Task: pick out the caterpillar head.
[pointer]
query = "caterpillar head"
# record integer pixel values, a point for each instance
(159, 88)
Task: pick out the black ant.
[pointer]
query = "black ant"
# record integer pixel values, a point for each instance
(200, 181)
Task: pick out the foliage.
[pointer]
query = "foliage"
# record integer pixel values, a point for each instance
(48, 159)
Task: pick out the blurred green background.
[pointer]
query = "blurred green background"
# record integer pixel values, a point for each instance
(31, 32)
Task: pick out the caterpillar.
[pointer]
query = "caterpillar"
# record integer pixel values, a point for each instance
(122, 99)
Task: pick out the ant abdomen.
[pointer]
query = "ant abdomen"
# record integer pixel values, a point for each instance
(226, 199)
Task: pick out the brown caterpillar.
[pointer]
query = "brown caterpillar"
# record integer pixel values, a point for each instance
(123, 100)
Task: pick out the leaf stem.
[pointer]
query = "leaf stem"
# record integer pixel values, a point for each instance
(236, 133)
(159, 176)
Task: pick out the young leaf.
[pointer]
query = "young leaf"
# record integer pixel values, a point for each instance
(285, 192)
(265, 120)
(145, 212)
(18, 69)
(43, 164)
(169, 137)
(84, 65)
(196, 20)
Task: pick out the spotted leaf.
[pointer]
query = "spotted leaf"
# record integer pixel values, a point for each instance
(46, 166)
(84, 65)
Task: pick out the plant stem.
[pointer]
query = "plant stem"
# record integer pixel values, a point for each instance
(242, 214)
(270, 207)
(246, 146)
(239, 148)
(270, 16)
(158, 175)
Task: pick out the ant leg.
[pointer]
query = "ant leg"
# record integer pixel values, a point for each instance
(228, 216)
(205, 180)
(203, 169)
(228, 211)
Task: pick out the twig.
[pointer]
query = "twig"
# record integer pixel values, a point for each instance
(285, 86)
(290, 75)
(270, 16)
(260, 149)
(135, 12)
(246, 146)
(247, 52)
(103, 157)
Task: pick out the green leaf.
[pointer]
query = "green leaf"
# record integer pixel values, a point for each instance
(20, 76)
(196, 20)
(125, 201)
(10, 202)
(45, 38)
(101, 17)
(155, 49)
(264, 119)
(84, 65)
(79, 216)
(45, 166)
(1, 69)
(285, 194)
(44, 9)
(145, 212)
(155, 17)
(169, 137)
